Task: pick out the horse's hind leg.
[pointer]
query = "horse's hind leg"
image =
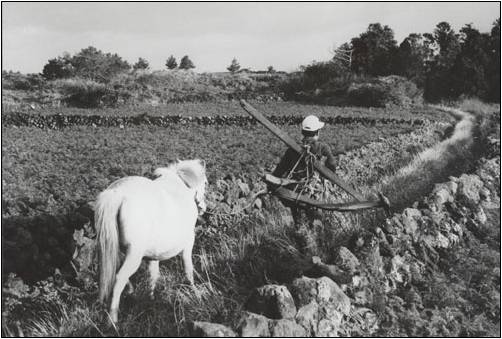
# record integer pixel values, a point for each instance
(130, 265)
(187, 263)
(153, 268)
(129, 287)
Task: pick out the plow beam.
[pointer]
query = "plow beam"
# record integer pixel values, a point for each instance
(286, 194)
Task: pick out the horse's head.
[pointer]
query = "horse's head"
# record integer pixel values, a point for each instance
(193, 173)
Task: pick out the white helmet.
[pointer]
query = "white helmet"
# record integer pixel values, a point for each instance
(312, 123)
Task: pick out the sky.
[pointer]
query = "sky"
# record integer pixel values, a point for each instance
(258, 34)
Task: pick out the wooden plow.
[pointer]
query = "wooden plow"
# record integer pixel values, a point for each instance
(287, 194)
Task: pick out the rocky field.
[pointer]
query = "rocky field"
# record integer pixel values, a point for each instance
(427, 270)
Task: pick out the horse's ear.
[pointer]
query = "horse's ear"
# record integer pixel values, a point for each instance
(203, 163)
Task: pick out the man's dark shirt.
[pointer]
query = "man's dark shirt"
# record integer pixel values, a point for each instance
(290, 158)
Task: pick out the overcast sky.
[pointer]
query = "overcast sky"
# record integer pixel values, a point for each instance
(285, 35)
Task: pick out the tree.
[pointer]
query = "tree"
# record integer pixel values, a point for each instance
(470, 71)
(271, 69)
(445, 47)
(171, 62)
(411, 58)
(58, 68)
(141, 64)
(234, 66)
(93, 64)
(494, 68)
(373, 51)
(186, 63)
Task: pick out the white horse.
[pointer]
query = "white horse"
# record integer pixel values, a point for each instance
(152, 219)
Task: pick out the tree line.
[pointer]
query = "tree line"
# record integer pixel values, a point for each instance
(444, 63)
(91, 63)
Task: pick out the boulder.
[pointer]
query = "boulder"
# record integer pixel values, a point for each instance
(308, 317)
(304, 290)
(346, 260)
(272, 301)
(330, 321)
(254, 325)
(469, 186)
(209, 330)
(409, 222)
(443, 193)
(330, 292)
(15, 286)
(323, 290)
(320, 269)
(285, 328)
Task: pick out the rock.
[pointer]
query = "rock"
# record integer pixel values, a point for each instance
(84, 251)
(208, 330)
(363, 297)
(244, 188)
(308, 317)
(485, 194)
(469, 186)
(304, 290)
(480, 216)
(409, 222)
(330, 321)
(346, 260)
(272, 301)
(15, 286)
(400, 271)
(441, 196)
(287, 328)
(329, 291)
(331, 271)
(254, 325)
(326, 329)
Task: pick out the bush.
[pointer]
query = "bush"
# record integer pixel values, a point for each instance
(19, 81)
(86, 93)
(384, 92)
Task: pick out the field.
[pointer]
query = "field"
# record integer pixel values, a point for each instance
(47, 174)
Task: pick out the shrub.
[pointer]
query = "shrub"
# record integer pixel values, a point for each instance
(86, 93)
(19, 81)
(383, 92)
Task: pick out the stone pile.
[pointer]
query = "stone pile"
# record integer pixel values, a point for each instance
(58, 121)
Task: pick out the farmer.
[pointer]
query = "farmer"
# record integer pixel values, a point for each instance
(300, 166)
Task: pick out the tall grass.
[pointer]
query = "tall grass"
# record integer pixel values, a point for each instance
(450, 157)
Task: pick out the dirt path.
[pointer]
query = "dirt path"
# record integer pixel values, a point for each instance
(452, 156)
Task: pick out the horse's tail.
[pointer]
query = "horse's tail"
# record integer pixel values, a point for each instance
(106, 215)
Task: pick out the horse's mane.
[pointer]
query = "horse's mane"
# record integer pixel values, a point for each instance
(192, 172)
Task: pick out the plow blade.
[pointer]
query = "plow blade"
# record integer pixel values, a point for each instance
(288, 195)
(324, 171)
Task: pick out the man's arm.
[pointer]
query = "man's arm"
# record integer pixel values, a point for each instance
(330, 159)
